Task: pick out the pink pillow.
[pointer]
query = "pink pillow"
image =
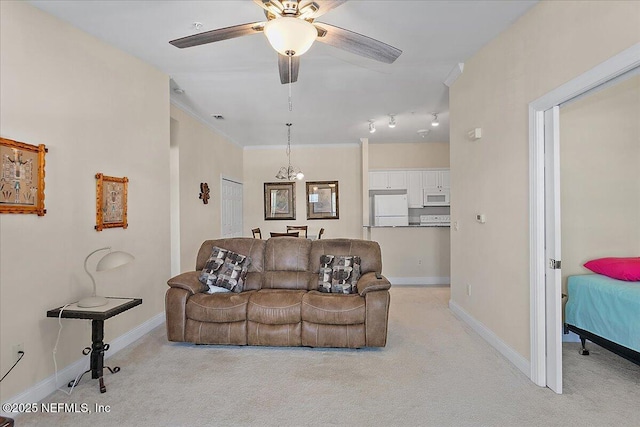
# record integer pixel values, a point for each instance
(617, 268)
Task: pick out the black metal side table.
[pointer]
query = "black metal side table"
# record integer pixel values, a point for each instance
(97, 315)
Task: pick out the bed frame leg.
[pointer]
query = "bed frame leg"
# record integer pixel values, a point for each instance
(583, 351)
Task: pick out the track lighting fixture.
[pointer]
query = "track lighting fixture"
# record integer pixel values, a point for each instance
(372, 126)
(392, 120)
(435, 121)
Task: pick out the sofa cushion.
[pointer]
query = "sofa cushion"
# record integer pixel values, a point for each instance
(218, 308)
(287, 254)
(295, 280)
(225, 269)
(339, 274)
(275, 306)
(333, 309)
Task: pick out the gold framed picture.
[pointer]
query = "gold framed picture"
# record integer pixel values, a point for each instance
(21, 177)
(322, 200)
(111, 202)
(279, 200)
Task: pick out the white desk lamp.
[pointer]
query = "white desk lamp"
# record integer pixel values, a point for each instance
(111, 260)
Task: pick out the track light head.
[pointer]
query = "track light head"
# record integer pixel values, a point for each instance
(435, 121)
(392, 120)
(372, 126)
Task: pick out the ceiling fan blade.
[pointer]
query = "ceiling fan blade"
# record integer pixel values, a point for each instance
(357, 43)
(219, 34)
(315, 9)
(283, 66)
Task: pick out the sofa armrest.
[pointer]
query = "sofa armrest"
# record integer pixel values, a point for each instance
(188, 281)
(370, 282)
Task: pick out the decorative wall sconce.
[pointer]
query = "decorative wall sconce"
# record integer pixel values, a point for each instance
(204, 192)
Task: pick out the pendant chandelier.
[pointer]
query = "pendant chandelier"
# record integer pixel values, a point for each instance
(289, 172)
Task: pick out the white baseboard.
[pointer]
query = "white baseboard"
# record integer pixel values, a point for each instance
(512, 356)
(47, 386)
(426, 281)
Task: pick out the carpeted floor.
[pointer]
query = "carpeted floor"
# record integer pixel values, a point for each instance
(435, 371)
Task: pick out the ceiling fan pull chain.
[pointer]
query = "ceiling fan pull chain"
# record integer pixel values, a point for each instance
(290, 103)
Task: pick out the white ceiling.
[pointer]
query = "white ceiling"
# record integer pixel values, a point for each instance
(337, 92)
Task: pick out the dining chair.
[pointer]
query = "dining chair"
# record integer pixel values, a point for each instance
(297, 227)
(257, 234)
(296, 234)
(320, 233)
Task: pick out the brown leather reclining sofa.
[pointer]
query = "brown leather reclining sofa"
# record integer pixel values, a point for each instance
(280, 304)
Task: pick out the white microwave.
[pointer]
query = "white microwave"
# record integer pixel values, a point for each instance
(436, 198)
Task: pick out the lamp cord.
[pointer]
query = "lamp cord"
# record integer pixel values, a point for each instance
(21, 353)
(55, 350)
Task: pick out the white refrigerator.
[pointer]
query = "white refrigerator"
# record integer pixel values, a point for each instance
(390, 210)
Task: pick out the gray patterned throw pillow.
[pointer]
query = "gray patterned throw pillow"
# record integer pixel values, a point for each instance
(339, 274)
(225, 271)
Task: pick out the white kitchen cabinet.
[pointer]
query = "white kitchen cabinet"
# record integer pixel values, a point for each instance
(414, 189)
(436, 180)
(388, 180)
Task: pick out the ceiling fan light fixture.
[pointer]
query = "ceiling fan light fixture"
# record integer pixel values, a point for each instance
(290, 36)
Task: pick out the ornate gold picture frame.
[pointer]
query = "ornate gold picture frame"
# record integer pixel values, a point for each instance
(323, 200)
(111, 202)
(21, 177)
(279, 200)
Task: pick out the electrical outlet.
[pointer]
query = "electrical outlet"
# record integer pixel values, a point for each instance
(468, 290)
(15, 351)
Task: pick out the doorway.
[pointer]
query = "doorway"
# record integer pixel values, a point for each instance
(231, 208)
(545, 278)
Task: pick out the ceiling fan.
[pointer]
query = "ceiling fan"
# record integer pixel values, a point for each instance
(291, 30)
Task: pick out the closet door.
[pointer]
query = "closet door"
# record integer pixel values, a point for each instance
(231, 208)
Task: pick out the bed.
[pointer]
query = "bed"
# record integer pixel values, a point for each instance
(605, 311)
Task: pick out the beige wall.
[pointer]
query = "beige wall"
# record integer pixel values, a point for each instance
(204, 156)
(97, 110)
(600, 176)
(418, 254)
(553, 43)
(340, 163)
(409, 155)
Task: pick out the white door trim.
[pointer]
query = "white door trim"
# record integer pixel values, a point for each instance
(609, 69)
(553, 250)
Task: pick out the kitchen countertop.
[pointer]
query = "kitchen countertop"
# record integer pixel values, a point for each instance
(408, 226)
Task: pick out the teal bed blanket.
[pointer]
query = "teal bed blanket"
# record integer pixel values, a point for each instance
(606, 307)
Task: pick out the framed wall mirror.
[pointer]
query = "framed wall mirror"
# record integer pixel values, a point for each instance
(322, 200)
